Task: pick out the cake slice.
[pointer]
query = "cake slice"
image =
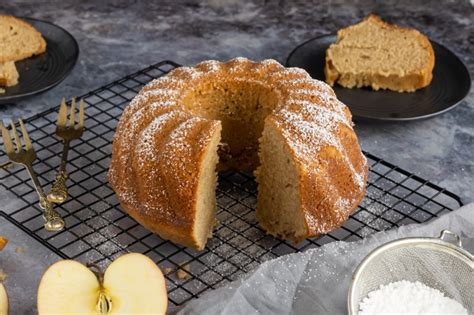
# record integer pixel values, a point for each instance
(279, 209)
(380, 55)
(8, 74)
(18, 39)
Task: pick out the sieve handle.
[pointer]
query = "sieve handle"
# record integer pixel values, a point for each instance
(445, 234)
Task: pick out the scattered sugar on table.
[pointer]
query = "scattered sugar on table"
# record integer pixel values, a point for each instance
(405, 297)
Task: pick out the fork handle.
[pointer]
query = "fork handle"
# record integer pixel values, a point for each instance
(58, 193)
(54, 222)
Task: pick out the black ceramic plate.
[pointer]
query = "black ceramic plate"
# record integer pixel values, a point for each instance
(42, 72)
(450, 84)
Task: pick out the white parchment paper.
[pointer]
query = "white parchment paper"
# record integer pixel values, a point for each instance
(316, 281)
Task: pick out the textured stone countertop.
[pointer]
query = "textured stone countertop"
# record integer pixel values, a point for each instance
(122, 37)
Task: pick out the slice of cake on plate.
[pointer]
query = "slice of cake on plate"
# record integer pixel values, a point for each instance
(376, 54)
(18, 40)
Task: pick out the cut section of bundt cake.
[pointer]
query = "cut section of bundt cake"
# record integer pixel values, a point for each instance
(279, 206)
(206, 191)
(239, 115)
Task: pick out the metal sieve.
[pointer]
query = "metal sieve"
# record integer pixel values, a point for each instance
(436, 262)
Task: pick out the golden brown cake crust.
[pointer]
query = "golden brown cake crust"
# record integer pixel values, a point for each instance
(401, 82)
(160, 144)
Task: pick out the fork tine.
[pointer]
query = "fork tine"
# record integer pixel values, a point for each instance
(17, 138)
(62, 115)
(7, 140)
(25, 135)
(81, 114)
(73, 113)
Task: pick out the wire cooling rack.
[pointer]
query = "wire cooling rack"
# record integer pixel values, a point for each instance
(98, 230)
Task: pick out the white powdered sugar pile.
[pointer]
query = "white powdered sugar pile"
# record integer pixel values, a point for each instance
(405, 297)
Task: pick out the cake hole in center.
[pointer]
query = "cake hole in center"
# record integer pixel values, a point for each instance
(242, 107)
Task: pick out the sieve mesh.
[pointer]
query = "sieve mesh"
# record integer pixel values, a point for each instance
(433, 264)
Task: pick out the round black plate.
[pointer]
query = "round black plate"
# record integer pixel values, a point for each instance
(42, 72)
(451, 83)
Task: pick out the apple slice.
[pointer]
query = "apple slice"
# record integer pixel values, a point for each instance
(68, 287)
(3, 292)
(132, 284)
(3, 300)
(135, 285)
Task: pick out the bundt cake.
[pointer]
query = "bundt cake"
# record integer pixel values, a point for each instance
(237, 115)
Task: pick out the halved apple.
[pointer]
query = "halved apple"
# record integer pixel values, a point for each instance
(132, 284)
(3, 292)
(3, 300)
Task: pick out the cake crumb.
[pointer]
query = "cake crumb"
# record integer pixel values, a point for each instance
(3, 275)
(167, 270)
(183, 273)
(3, 242)
(19, 250)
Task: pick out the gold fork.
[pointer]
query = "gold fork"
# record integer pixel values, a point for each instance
(59, 192)
(25, 154)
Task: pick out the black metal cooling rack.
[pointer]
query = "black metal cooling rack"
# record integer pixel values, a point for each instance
(98, 230)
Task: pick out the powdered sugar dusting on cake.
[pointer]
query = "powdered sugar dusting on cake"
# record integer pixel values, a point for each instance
(343, 206)
(161, 81)
(144, 98)
(286, 73)
(335, 106)
(359, 179)
(314, 93)
(310, 84)
(310, 127)
(210, 65)
(179, 137)
(168, 93)
(155, 105)
(293, 71)
(270, 62)
(149, 135)
(320, 226)
(240, 60)
(255, 81)
(307, 136)
(342, 203)
(139, 115)
(179, 151)
(308, 112)
(237, 64)
(191, 73)
(292, 81)
(325, 115)
(307, 92)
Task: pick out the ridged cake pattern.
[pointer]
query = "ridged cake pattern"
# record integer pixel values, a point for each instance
(158, 143)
